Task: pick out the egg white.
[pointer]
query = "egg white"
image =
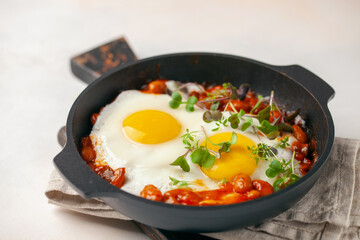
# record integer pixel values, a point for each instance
(145, 163)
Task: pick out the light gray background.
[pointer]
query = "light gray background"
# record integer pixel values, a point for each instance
(37, 89)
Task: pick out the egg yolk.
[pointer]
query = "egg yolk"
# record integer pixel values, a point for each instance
(236, 161)
(151, 127)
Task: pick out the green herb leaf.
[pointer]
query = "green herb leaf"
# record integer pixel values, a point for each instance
(233, 94)
(264, 114)
(276, 165)
(233, 138)
(190, 104)
(203, 158)
(173, 104)
(271, 173)
(257, 104)
(266, 127)
(262, 151)
(189, 108)
(220, 122)
(273, 135)
(176, 100)
(181, 161)
(176, 96)
(179, 183)
(284, 142)
(294, 177)
(285, 127)
(209, 161)
(292, 116)
(215, 129)
(207, 117)
(223, 181)
(214, 106)
(278, 184)
(189, 140)
(216, 115)
(192, 100)
(175, 181)
(198, 155)
(234, 121)
(210, 116)
(248, 122)
(241, 113)
(225, 147)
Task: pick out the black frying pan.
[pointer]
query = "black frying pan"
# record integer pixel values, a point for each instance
(294, 87)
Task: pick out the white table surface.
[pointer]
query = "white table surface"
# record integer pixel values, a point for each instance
(37, 88)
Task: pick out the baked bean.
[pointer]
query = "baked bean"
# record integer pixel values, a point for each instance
(183, 196)
(232, 198)
(87, 152)
(119, 177)
(253, 194)
(151, 192)
(242, 183)
(299, 134)
(157, 86)
(93, 118)
(264, 187)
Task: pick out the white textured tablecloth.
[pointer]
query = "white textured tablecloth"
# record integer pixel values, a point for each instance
(329, 211)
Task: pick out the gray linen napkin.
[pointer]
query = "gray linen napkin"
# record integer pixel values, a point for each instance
(331, 210)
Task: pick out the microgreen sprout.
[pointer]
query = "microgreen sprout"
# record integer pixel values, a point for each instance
(243, 90)
(262, 151)
(203, 158)
(292, 116)
(232, 107)
(264, 114)
(180, 184)
(285, 127)
(189, 139)
(234, 120)
(224, 146)
(280, 168)
(223, 122)
(210, 116)
(223, 180)
(181, 161)
(288, 175)
(272, 131)
(201, 155)
(233, 95)
(257, 105)
(176, 101)
(248, 122)
(284, 142)
(214, 106)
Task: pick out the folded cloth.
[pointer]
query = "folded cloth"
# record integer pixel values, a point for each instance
(331, 209)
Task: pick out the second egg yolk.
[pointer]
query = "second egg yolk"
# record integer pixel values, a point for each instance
(230, 164)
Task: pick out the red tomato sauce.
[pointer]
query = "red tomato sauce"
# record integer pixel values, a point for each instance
(227, 193)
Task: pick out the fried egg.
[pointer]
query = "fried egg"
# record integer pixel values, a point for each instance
(239, 159)
(140, 132)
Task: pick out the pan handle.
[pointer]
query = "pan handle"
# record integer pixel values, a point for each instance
(96, 62)
(317, 87)
(74, 171)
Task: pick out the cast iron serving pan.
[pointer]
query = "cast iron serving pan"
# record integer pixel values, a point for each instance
(294, 87)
